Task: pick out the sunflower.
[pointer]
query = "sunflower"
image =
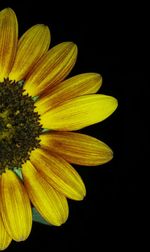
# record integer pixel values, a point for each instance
(39, 110)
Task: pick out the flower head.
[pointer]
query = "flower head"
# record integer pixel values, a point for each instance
(39, 110)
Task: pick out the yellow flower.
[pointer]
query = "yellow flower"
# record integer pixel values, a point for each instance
(39, 109)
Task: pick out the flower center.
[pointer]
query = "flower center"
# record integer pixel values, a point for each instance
(19, 125)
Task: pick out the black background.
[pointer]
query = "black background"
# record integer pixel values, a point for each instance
(112, 40)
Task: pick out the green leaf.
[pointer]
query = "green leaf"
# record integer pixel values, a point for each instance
(38, 218)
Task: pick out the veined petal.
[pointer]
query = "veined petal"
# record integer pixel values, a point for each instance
(32, 45)
(53, 67)
(77, 148)
(51, 204)
(15, 207)
(79, 112)
(8, 41)
(5, 239)
(60, 174)
(87, 83)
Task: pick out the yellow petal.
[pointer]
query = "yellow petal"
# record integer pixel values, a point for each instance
(15, 207)
(81, 84)
(77, 148)
(50, 204)
(5, 239)
(32, 45)
(8, 41)
(79, 112)
(60, 174)
(53, 67)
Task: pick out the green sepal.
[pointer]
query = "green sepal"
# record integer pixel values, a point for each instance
(44, 130)
(35, 98)
(18, 172)
(21, 83)
(38, 218)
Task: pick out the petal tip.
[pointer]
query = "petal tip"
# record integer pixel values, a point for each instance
(82, 194)
(7, 11)
(72, 46)
(115, 102)
(42, 26)
(110, 155)
(112, 102)
(81, 197)
(75, 47)
(98, 79)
